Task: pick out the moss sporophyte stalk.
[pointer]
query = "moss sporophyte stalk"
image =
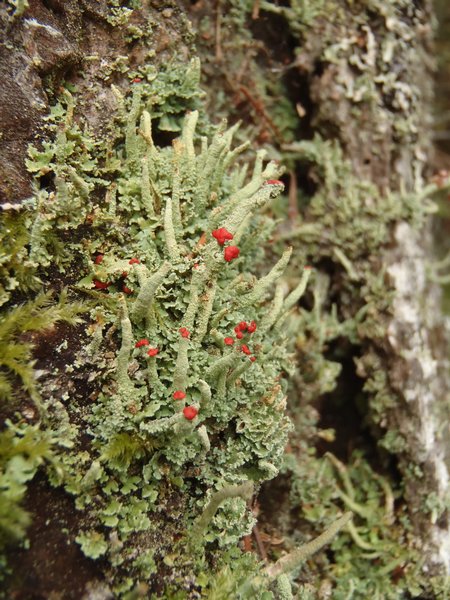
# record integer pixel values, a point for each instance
(169, 262)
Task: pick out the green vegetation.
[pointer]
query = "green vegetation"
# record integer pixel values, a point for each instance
(207, 324)
(197, 380)
(16, 351)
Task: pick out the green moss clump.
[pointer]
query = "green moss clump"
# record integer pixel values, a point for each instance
(16, 352)
(17, 272)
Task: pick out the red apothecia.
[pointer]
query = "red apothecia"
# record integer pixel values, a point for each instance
(190, 412)
(140, 343)
(222, 235)
(230, 253)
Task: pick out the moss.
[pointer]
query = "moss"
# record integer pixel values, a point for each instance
(16, 352)
(17, 273)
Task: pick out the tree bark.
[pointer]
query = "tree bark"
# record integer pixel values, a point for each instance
(361, 81)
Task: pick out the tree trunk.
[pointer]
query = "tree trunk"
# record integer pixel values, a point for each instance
(339, 93)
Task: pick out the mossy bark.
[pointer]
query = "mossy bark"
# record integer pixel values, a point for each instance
(285, 90)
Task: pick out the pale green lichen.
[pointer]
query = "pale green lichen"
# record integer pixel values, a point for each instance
(22, 450)
(288, 563)
(93, 544)
(178, 281)
(379, 536)
(156, 204)
(365, 165)
(245, 490)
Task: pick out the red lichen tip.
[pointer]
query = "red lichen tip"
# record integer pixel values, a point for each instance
(126, 290)
(229, 341)
(184, 332)
(153, 352)
(222, 235)
(98, 259)
(253, 358)
(100, 285)
(274, 182)
(252, 327)
(134, 261)
(179, 395)
(136, 80)
(245, 349)
(230, 253)
(239, 335)
(140, 343)
(242, 325)
(190, 412)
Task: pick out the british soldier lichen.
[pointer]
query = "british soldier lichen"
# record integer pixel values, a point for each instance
(160, 260)
(367, 133)
(188, 349)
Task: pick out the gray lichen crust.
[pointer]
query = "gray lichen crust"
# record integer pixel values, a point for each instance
(419, 375)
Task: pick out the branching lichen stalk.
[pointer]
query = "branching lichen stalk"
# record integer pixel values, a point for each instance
(143, 302)
(244, 490)
(291, 561)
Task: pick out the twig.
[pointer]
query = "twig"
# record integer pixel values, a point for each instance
(219, 53)
(255, 11)
(293, 206)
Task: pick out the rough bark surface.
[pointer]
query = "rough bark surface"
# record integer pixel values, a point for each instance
(419, 372)
(75, 42)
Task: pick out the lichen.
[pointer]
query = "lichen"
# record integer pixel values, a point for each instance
(357, 176)
(174, 412)
(174, 397)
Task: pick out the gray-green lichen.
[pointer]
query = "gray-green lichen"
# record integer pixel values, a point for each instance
(356, 181)
(130, 220)
(197, 383)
